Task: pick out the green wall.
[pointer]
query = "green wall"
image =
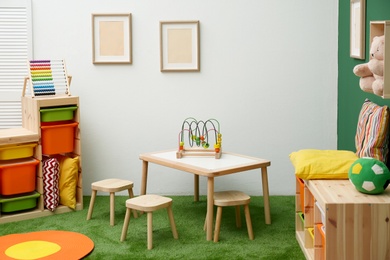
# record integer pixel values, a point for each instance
(350, 96)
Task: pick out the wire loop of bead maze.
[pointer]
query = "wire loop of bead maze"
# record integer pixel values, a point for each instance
(47, 78)
(198, 134)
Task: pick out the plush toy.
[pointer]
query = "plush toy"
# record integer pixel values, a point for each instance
(369, 175)
(371, 73)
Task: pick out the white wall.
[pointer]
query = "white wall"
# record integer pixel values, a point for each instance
(268, 74)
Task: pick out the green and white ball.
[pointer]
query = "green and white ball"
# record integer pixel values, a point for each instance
(369, 175)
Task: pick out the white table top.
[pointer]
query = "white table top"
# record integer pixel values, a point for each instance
(204, 165)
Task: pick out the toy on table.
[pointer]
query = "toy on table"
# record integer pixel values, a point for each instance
(371, 73)
(47, 77)
(369, 175)
(200, 133)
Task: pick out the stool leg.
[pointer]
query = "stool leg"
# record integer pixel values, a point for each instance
(126, 224)
(172, 222)
(112, 208)
(131, 195)
(238, 217)
(91, 204)
(248, 222)
(217, 224)
(150, 230)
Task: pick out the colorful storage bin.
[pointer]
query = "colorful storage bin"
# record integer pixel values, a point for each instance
(18, 176)
(10, 152)
(321, 230)
(302, 218)
(16, 203)
(311, 232)
(301, 193)
(57, 114)
(58, 138)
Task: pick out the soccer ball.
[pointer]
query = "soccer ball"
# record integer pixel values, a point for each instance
(369, 175)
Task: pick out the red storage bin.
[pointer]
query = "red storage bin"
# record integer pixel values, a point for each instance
(18, 176)
(58, 138)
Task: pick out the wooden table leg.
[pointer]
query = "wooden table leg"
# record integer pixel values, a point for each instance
(144, 177)
(267, 211)
(196, 187)
(210, 208)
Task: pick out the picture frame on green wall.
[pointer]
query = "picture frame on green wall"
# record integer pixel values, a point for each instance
(357, 29)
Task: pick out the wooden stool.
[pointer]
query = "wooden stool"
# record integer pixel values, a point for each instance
(111, 186)
(232, 198)
(149, 203)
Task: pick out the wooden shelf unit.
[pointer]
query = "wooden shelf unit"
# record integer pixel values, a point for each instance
(357, 225)
(31, 132)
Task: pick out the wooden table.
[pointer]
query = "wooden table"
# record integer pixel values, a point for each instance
(209, 167)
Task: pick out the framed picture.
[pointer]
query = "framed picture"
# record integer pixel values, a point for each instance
(179, 46)
(358, 29)
(111, 38)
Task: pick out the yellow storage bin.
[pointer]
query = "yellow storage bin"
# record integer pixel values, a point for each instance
(10, 152)
(311, 232)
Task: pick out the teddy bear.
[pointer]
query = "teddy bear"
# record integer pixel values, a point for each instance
(371, 73)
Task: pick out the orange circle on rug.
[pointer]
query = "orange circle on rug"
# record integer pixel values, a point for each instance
(51, 244)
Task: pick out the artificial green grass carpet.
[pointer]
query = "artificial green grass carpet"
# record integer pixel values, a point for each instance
(272, 242)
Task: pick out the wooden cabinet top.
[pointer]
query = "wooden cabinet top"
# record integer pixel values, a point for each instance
(343, 192)
(17, 136)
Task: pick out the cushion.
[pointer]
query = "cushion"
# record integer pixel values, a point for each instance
(372, 133)
(322, 164)
(51, 171)
(69, 169)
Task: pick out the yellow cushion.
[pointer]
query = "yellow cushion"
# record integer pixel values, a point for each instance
(322, 164)
(69, 168)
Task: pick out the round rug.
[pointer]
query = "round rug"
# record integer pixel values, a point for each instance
(45, 245)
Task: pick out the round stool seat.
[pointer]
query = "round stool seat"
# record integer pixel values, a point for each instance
(149, 202)
(236, 199)
(230, 198)
(112, 185)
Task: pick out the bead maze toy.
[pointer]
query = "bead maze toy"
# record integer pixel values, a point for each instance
(47, 77)
(198, 133)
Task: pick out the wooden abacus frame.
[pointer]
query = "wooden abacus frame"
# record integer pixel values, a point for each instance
(48, 72)
(198, 152)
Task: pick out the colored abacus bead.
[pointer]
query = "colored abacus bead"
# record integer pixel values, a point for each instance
(197, 141)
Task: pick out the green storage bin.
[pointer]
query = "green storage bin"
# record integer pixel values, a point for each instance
(54, 114)
(16, 203)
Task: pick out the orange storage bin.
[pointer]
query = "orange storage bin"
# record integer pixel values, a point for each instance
(18, 176)
(302, 193)
(58, 138)
(321, 230)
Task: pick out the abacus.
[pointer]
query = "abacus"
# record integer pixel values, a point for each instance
(47, 78)
(199, 133)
